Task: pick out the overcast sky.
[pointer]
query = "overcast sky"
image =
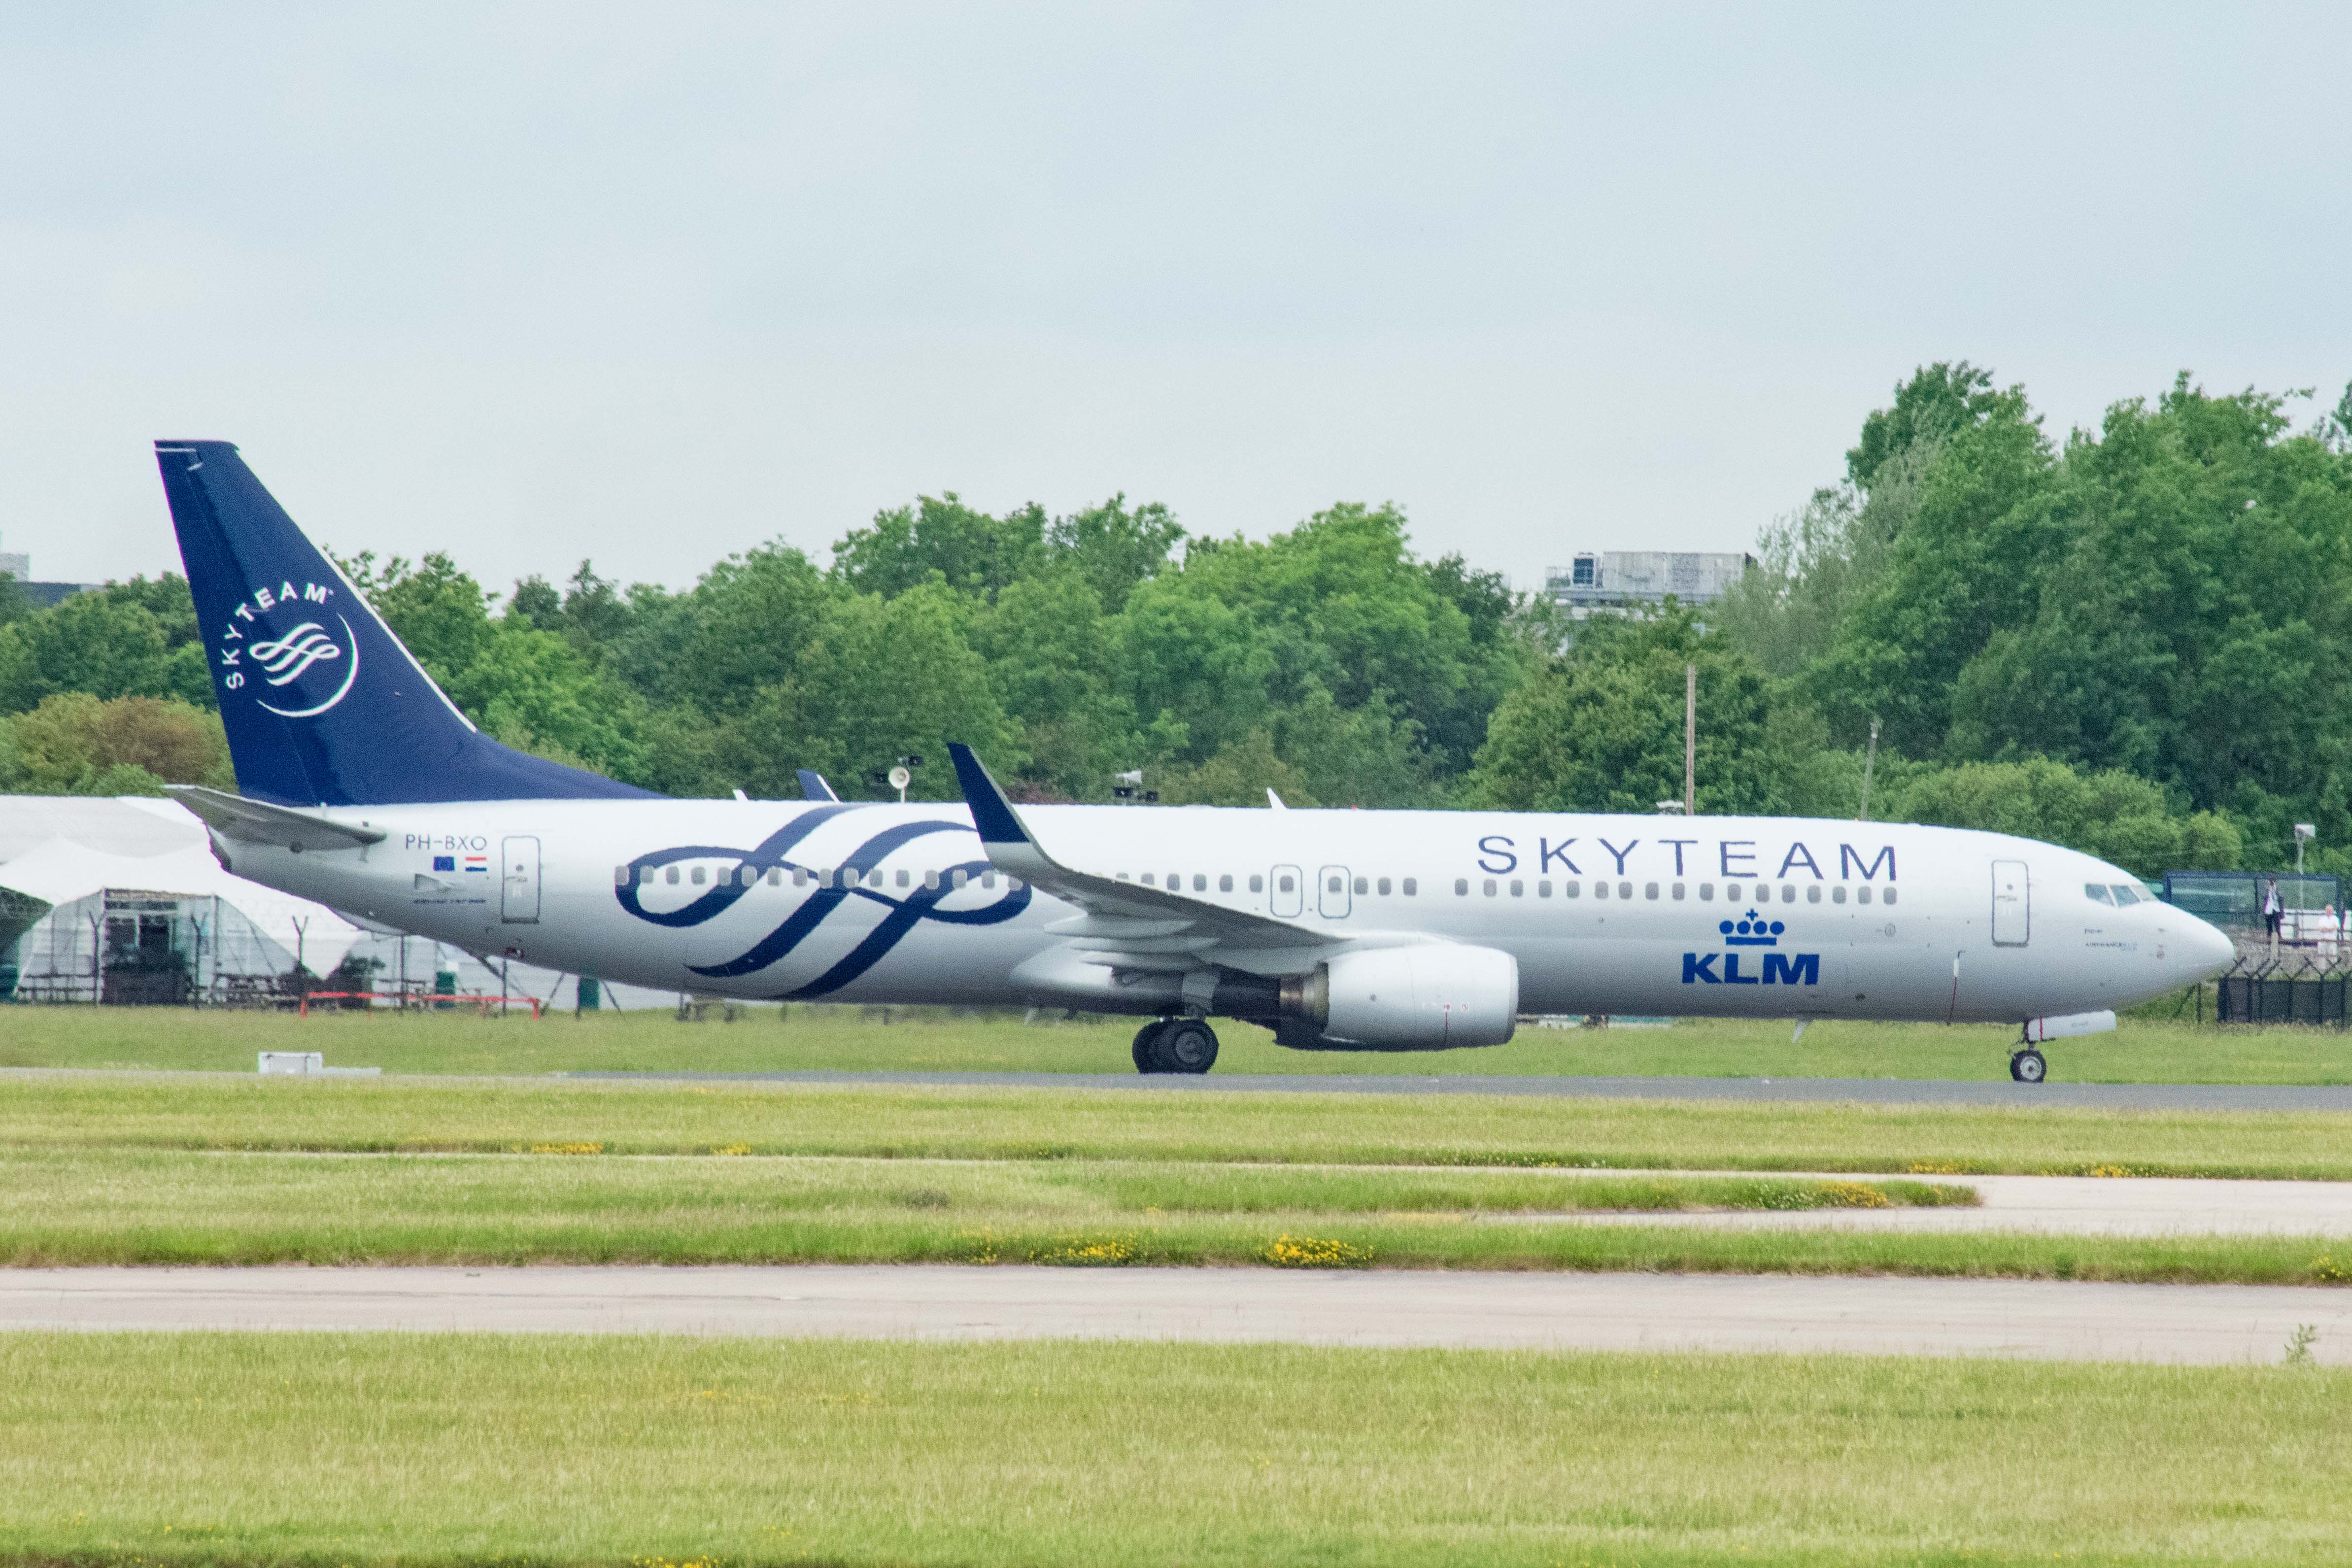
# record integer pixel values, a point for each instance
(655, 283)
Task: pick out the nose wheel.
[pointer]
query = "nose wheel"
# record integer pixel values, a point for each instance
(1175, 1045)
(2027, 1065)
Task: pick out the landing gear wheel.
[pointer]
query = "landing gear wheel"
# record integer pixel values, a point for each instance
(1187, 1046)
(2027, 1065)
(1144, 1038)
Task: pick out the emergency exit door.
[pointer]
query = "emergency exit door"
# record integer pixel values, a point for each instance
(519, 880)
(2013, 904)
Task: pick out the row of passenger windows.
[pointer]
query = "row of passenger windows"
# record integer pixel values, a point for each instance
(1286, 882)
(1757, 892)
(802, 876)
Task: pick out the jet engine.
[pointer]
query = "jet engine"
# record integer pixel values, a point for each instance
(1426, 997)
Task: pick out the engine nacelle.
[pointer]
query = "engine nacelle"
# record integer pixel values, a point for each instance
(1427, 997)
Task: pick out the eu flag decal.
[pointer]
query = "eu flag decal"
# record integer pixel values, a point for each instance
(445, 862)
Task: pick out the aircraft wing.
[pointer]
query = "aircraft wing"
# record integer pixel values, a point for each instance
(1125, 924)
(233, 816)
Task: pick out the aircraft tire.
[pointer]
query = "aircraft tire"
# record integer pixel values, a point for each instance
(1146, 1056)
(1186, 1046)
(2027, 1066)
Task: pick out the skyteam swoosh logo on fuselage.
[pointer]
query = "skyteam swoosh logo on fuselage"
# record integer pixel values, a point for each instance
(905, 914)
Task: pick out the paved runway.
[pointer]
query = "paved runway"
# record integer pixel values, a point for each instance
(1878, 1091)
(2179, 1324)
(2069, 1205)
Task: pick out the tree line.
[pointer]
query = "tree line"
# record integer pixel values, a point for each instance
(2130, 640)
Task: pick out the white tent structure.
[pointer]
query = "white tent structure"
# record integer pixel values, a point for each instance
(119, 899)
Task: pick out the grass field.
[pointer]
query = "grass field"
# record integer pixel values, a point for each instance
(325, 1449)
(848, 1038)
(80, 1209)
(98, 1111)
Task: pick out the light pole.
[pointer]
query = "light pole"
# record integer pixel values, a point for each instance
(2303, 833)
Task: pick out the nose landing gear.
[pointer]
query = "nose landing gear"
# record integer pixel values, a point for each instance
(2026, 1066)
(1175, 1045)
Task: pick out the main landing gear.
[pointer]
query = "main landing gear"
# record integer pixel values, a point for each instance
(1175, 1045)
(2026, 1066)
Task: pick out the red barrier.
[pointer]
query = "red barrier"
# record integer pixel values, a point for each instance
(420, 1000)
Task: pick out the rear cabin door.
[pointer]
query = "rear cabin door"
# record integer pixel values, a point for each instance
(1331, 892)
(519, 880)
(2012, 906)
(1288, 892)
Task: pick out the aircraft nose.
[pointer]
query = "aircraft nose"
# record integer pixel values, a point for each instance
(2205, 949)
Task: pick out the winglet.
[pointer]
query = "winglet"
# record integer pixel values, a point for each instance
(1275, 800)
(992, 814)
(813, 788)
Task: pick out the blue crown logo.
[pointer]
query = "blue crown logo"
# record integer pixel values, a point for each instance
(1752, 929)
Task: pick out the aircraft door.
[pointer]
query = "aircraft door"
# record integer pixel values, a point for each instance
(1331, 892)
(2012, 905)
(1287, 891)
(519, 880)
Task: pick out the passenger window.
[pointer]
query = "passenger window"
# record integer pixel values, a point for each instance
(988, 879)
(1837, 894)
(697, 876)
(1600, 890)
(1543, 888)
(959, 879)
(669, 875)
(1257, 884)
(1384, 887)
(1285, 885)
(620, 876)
(1813, 894)
(1569, 890)
(1199, 883)
(1862, 895)
(775, 876)
(1707, 892)
(1490, 887)
(1787, 892)
(2098, 894)
(1411, 887)
(1731, 892)
(1333, 886)
(1125, 878)
(1678, 891)
(1175, 881)
(1887, 897)
(1225, 883)
(1362, 887)
(1013, 884)
(903, 880)
(1519, 890)
(1649, 890)
(931, 880)
(1147, 879)
(2127, 896)
(1461, 886)
(1625, 890)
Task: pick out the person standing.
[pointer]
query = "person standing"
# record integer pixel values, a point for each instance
(2272, 910)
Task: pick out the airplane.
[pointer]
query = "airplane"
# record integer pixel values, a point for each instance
(362, 786)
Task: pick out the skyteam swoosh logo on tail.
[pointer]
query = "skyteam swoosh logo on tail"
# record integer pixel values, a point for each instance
(849, 880)
(283, 660)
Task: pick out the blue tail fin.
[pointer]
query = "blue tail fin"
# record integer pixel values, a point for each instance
(323, 705)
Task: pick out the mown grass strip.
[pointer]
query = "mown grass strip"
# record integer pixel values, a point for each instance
(166, 1111)
(320, 1449)
(150, 1208)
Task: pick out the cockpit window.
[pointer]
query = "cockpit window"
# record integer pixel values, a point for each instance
(2127, 894)
(2098, 892)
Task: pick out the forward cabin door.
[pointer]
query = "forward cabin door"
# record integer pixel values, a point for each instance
(2013, 904)
(519, 880)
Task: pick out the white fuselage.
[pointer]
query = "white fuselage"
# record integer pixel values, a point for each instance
(1603, 914)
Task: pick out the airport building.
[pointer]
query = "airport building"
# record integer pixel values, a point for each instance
(19, 565)
(119, 900)
(1624, 579)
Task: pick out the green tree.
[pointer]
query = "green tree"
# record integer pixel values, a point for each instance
(74, 743)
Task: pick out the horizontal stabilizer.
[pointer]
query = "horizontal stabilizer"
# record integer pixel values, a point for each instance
(246, 821)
